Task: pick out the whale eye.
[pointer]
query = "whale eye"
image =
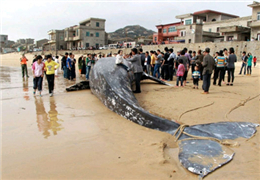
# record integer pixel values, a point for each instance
(200, 172)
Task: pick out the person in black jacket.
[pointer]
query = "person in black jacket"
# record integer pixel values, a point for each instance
(165, 70)
(147, 63)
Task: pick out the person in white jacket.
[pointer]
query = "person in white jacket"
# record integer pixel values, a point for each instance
(120, 60)
(56, 59)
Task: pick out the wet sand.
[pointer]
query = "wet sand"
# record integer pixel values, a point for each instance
(74, 136)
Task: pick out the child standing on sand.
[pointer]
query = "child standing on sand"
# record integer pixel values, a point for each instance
(180, 73)
(196, 77)
(254, 59)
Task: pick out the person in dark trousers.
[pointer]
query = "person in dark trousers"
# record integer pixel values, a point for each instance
(244, 62)
(142, 55)
(38, 73)
(50, 67)
(147, 62)
(69, 66)
(138, 69)
(208, 64)
(64, 65)
(165, 67)
(73, 68)
(220, 70)
(170, 60)
(199, 60)
(24, 60)
(232, 58)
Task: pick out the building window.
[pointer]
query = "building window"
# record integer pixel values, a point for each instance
(258, 15)
(217, 29)
(213, 20)
(155, 39)
(87, 33)
(91, 35)
(164, 30)
(230, 38)
(97, 24)
(87, 44)
(77, 32)
(183, 33)
(97, 45)
(189, 40)
(61, 37)
(97, 34)
(209, 29)
(188, 21)
(172, 29)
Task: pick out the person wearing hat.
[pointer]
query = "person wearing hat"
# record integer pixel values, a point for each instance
(137, 68)
(208, 64)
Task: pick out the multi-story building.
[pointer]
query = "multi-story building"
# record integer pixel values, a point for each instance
(90, 32)
(208, 26)
(39, 44)
(29, 41)
(21, 41)
(56, 41)
(255, 21)
(3, 39)
(166, 33)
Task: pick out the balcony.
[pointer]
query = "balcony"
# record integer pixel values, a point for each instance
(181, 27)
(76, 38)
(179, 38)
(51, 32)
(51, 41)
(253, 23)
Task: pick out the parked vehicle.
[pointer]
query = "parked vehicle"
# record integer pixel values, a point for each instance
(104, 47)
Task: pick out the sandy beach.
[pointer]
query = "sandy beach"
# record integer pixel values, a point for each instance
(74, 136)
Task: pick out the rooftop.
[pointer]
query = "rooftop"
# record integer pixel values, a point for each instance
(177, 23)
(255, 4)
(213, 12)
(91, 19)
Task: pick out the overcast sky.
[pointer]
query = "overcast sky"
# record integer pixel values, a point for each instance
(32, 19)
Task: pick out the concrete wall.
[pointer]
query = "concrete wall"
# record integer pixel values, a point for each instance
(239, 46)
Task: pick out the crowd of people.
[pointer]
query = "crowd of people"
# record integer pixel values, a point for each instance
(162, 65)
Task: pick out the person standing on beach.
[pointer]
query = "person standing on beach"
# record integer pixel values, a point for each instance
(220, 70)
(158, 62)
(254, 59)
(249, 64)
(152, 61)
(24, 60)
(138, 69)
(244, 62)
(69, 66)
(50, 67)
(232, 58)
(170, 60)
(180, 73)
(73, 68)
(64, 65)
(80, 64)
(186, 65)
(88, 67)
(208, 64)
(83, 69)
(56, 59)
(38, 73)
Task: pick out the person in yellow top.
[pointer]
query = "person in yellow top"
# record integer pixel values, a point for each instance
(50, 67)
(24, 60)
(152, 61)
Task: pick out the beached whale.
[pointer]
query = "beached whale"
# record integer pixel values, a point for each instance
(201, 148)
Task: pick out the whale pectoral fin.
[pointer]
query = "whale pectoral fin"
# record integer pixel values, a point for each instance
(224, 130)
(147, 76)
(79, 86)
(202, 157)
